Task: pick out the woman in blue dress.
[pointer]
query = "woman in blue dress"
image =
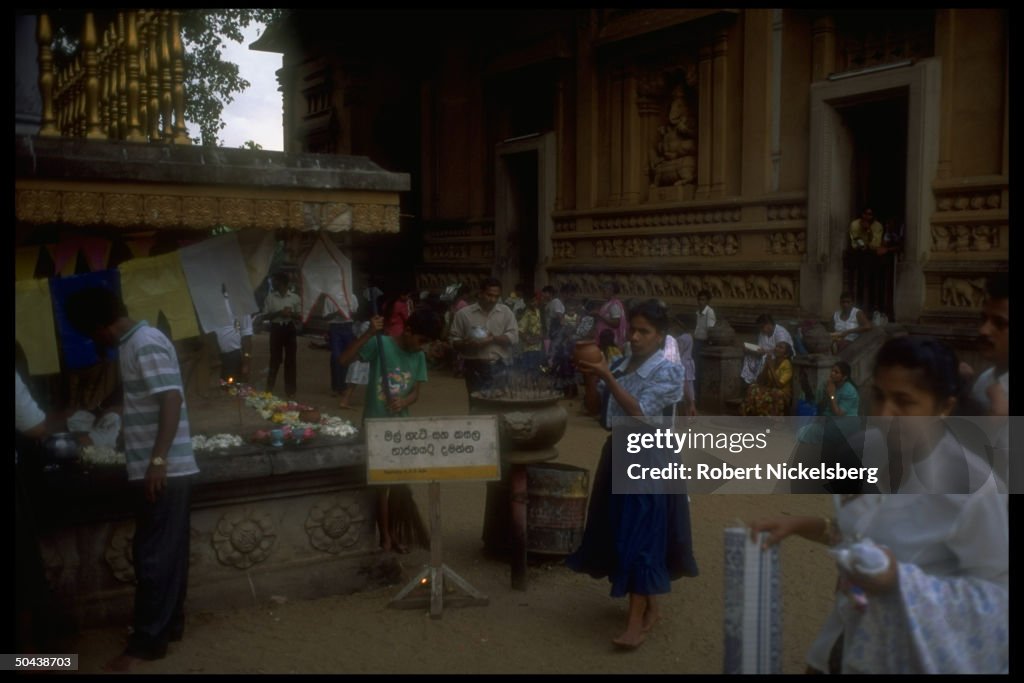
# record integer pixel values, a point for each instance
(640, 541)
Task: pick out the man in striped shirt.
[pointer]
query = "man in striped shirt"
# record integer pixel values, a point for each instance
(160, 462)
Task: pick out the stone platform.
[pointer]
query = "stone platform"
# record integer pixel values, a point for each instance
(296, 522)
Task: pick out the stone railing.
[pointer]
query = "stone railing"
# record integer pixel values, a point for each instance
(127, 84)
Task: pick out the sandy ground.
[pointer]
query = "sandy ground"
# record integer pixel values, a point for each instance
(563, 622)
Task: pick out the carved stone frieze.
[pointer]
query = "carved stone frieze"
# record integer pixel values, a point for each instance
(440, 281)
(446, 252)
(963, 238)
(667, 219)
(447, 233)
(785, 212)
(334, 525)
(242, 539)
(718, 244)
(563, 249)
(730, 286)
(119, 553)
(565, 226)
(789, 242)
(983, 200)
(961, 292)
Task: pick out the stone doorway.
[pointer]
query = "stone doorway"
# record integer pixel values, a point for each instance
(525, 199)
(842, 110)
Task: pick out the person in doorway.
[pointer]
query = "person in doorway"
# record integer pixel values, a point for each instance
(848, 323)
(282, 309)
(160, 464)
(640, 541)
(397, 368)
(864, 260)
(484, 333)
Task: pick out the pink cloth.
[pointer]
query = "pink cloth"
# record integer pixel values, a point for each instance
(623, 328)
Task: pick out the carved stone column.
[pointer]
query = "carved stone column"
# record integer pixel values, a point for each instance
(719, 90)
(824, 41)
(648, 111)
(705, 124)
(615, 121)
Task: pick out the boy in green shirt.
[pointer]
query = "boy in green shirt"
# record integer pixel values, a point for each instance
(389, 394)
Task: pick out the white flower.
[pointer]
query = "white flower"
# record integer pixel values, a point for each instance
(336, 426)
(217, 442)
(102, 455)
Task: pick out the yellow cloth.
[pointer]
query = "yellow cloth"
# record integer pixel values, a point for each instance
(25, 260)
(154, 284)
(34, 327)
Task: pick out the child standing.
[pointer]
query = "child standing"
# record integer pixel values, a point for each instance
(358, 370)
(397, 367)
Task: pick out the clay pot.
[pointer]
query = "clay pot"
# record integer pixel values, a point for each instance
(587, 350)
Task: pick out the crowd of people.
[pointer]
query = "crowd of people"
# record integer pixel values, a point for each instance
(938, 604)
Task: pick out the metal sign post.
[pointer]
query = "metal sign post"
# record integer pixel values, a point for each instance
(435, 449)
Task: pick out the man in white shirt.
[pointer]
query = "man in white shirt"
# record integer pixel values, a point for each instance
(282, 309)
(235, 344)
(705, 321)
(484, 333)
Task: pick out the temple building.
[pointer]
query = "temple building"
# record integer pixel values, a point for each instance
(675, 150)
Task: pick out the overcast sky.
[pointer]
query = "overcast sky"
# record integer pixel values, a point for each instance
(256, 113)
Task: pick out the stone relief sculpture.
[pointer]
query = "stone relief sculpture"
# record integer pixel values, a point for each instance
(674, 156)
(243, 539)
(119, 555)
(782, 287)
(333, 525)
(759, 287)
(963, 293)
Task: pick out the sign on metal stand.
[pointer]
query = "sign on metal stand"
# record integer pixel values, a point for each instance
(434, 449)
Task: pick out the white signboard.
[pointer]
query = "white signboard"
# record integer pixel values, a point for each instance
(412, 449)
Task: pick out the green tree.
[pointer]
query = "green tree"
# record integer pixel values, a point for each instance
(250, 144)
(211, 82)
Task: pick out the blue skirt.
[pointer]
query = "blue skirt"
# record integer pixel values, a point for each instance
(641, 542)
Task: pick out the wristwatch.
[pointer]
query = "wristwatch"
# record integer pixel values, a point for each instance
(158, 462)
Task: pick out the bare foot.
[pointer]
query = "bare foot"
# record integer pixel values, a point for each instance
(345, 406)
(651, 618)
(630, 640)
(122, 664)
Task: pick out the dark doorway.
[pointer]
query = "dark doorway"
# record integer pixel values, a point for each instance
(878, 132)
(523, 239)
